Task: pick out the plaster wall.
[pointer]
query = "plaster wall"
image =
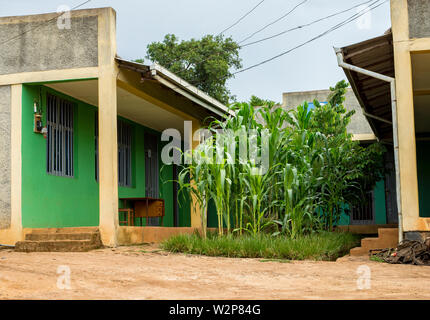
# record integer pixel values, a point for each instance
(419, 23)
(42, 45)
(358, 124)
(5, 157)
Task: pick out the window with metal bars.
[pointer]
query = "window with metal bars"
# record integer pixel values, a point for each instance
(124, 152)
(96, 141)
(59, 147)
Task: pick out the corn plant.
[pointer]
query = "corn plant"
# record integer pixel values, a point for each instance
(314, 168)
(298, 203)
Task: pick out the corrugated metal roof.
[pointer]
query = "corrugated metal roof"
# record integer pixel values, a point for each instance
(177, 84)
(373, 94)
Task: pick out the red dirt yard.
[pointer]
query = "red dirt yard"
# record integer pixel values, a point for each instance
(145, 272)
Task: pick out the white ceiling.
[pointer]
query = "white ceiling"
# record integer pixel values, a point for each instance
(129, 105)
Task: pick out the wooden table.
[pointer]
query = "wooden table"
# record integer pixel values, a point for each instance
(145, 207)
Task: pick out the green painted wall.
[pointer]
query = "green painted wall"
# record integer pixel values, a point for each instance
(184, 212)
(423, 169)
(52, 201)
(380, 210)
(184, 207)
(212, 215)
(344, 219)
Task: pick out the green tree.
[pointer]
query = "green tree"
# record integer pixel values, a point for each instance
(259, 102)
(332, 118)
(350, 170)
(205, 63)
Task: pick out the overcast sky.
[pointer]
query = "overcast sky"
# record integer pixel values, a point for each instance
(311, 67)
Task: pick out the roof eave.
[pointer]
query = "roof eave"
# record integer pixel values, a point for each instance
(370, 55)
(182, 87)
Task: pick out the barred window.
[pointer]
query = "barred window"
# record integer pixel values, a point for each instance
(59, 150)
(124, 152)
(96, 141)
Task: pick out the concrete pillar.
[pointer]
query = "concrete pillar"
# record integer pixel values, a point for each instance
(11, 233)
(196, 219)
(16, 162)
(405, 114)
(108, 150)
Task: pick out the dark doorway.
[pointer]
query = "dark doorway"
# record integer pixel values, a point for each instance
(175, 196)
(151, 171)
(390, 187)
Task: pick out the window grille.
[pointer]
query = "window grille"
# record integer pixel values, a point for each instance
(124, 152)
(96, 142)
(364, 213)
(59, 114)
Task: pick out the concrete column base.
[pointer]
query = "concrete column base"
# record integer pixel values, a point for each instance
(417, 235)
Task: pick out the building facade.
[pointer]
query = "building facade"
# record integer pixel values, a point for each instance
(359, 126)
(390, 77)
(81, 129)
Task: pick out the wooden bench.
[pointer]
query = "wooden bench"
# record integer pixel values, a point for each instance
(145, 207)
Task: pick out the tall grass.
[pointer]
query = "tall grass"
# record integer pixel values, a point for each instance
(317, 246)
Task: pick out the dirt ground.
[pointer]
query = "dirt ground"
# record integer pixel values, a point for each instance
(145, 272)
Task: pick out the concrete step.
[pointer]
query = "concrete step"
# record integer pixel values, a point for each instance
(365, 228)
(389, 233)
(358, 251)
(60, 239)
(92, 236)
(387, 238)
(56, 246)
(378, 243)
(65, 230)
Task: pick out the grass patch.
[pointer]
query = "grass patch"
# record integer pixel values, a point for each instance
(319, 246)
(376, 259)
(275, 260)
